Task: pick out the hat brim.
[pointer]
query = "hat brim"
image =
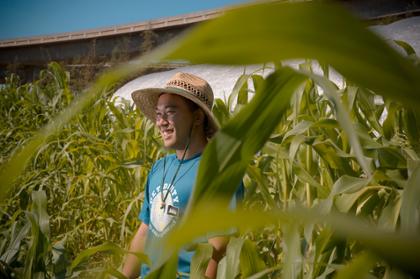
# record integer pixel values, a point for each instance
(146, 101)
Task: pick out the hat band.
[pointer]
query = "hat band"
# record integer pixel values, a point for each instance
(178, 84)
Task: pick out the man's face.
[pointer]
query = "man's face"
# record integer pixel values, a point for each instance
(174, 119)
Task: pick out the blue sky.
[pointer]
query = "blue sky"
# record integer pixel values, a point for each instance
(25, 18)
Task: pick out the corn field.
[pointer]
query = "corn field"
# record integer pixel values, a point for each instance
(331, 171)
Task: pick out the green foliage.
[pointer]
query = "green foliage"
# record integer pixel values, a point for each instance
(86, 171)
(332, 173)
(328, 152)
(275, 31)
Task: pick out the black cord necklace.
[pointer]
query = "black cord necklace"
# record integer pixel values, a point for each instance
(162, 196)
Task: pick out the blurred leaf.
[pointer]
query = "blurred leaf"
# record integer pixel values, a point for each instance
(367, 106)
(230, 267)
(222, 267)
(299, 129)
(221, 112)
(389, 215)
(322, 250)
(399, 249)
(116, 113)
(37, 249)
(410, 217)
(115, 273)
(39, 244)
(390, 158)
(331, 157)
(39, 208)
(166, 270)
(256, 175)
(276, 31)
(411, 124)
(239, 85)
(394, 273)
(16, 241)
(240, 92)
(304, 176)
(258, 82)
(200, 260)
(88, 187)
(389, 122)
(326, 123)
(294, 146)
(133, 164)
(264, 273)
(292, 263)
(359, 267)
(250, 262)
(231, 149)
(60, 259)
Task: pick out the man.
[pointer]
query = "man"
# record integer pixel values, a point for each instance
(182, 113)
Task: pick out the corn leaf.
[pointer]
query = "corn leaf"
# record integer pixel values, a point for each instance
(276, 31)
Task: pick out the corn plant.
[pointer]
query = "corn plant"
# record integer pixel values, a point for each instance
(331, 171)
(89, 177)
(334, 165)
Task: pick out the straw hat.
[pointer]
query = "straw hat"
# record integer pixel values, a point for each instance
(183, 84)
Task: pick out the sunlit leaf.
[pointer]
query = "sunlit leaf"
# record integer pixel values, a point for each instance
(250, 261)
(234, 145)
(200, 260)
(276, 31)
(399, 249)
(166, 270)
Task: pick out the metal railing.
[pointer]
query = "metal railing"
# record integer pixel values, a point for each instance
(114, 30)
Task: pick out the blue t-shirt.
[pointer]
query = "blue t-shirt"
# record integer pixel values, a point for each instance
(161, 216)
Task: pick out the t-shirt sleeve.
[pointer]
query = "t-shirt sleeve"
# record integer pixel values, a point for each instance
(240, 192)
(144, 214)
(238, 196)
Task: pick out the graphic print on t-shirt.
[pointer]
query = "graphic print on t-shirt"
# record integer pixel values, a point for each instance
(162, 218)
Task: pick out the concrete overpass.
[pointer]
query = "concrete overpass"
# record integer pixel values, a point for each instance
(99, 48)
(92, 48)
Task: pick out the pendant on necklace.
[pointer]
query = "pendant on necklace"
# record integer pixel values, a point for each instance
(162, 206)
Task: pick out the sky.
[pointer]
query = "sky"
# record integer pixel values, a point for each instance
(26, 18)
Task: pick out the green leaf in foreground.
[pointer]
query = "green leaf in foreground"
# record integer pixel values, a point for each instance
(200, 259)
(401, 250)
(168, 270)
(410, 204)
(226, 157)
(274, 31)
(358, 268)
(17, 163)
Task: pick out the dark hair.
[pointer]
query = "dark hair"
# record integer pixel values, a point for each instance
(193, 107)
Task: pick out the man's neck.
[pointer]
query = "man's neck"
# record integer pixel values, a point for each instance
(197, 145)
